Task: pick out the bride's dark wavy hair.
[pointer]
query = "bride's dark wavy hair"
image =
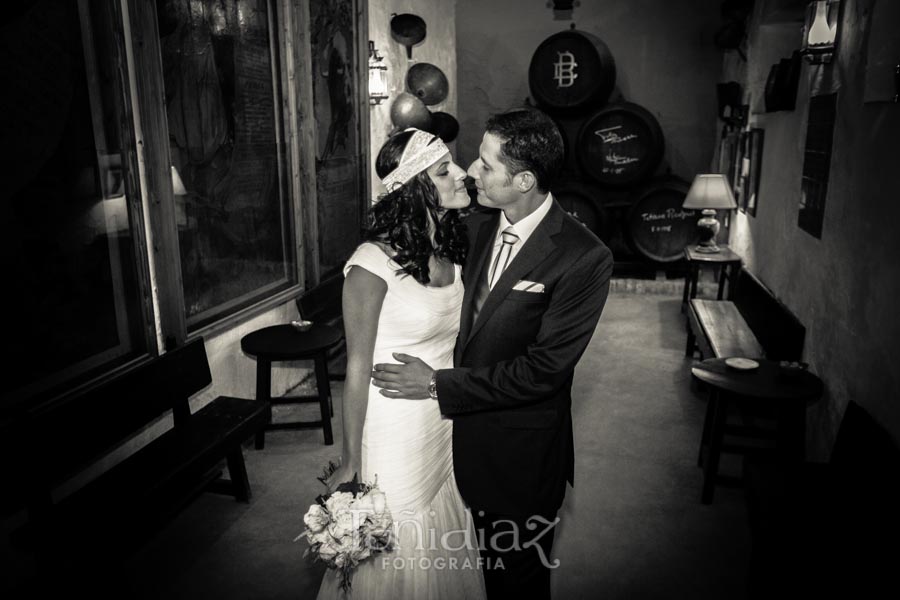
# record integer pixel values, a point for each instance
(400, 218)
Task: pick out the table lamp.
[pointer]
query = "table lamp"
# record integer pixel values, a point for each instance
(708, 193)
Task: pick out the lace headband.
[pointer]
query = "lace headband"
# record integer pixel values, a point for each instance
(418, 155)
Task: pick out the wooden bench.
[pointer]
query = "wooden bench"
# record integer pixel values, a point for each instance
(827, 530)
(114, 512)
(753, 324)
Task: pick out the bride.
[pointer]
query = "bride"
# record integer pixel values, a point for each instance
(403, 293)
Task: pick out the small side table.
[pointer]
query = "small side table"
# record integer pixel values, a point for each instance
(726, 261)
(282, 343)
(787, 392)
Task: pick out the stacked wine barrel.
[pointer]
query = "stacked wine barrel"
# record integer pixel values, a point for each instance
(614, 153)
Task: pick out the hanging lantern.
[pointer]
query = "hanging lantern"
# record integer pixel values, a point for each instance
(820, 31)
(378, 81)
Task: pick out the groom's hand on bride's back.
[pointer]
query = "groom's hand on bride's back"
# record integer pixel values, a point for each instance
(408, 380)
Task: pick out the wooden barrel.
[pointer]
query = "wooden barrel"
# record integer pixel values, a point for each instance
(620, 145)
(571, 71)
(657, 227)
(568, 128)
(585, 208)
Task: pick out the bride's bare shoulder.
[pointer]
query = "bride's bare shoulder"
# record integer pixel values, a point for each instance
(384, 247)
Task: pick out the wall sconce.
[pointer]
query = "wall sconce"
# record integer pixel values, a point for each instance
(378, 82)
(820, 30)
(709, 193)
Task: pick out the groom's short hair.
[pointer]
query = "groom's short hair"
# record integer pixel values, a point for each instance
(531, 141)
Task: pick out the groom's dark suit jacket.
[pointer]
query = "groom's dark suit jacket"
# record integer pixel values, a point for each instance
(510, 392)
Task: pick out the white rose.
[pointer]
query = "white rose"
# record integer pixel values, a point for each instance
(316, 518)
(343, 525)
(338, 502)
(327, 552)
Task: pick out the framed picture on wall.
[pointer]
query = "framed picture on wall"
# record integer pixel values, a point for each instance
(755, 154)
(741, 171)
(733, 167)
(816, 163)
(728, 152)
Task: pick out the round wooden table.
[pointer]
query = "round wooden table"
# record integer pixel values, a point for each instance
(787, 391)
(282, 343)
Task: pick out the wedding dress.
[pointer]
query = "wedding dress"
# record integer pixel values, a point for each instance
(407, 448)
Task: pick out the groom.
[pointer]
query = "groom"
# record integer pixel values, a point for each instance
(536, 282)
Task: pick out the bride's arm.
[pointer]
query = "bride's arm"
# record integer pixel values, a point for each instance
(362, 298)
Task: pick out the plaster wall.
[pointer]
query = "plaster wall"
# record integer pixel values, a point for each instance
(664, 54)
(844, 286)
(438, 48)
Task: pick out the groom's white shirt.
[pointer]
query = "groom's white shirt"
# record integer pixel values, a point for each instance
(523, 229)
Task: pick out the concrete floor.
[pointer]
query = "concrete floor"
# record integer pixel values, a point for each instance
(633, 527)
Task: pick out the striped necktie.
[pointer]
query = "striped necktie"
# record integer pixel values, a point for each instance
(500, 263)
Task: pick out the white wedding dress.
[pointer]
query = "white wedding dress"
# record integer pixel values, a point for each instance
(407, 447)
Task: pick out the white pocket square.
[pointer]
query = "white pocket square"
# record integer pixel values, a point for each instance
(529, 286)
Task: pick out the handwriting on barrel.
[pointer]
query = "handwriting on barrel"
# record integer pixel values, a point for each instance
(667, 214)
(616, 159)
(609, 135)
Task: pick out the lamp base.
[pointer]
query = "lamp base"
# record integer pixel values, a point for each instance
(713, 249)
(708, 228)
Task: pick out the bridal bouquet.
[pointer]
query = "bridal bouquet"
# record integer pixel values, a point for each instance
(347, 526)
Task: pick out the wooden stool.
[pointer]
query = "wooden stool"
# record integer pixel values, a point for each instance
(282, 343)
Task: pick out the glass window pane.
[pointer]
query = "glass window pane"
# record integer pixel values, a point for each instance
(339, 186)
(74, 304)
(223, 110)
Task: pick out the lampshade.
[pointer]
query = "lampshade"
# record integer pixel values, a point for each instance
(820, 31)
(710, 191)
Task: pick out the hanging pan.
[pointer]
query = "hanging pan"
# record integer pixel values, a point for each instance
(408, 29)
(444, 125)
(409, 111)
(427, 82)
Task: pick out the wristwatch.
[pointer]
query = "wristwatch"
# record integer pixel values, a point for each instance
(432, 386)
